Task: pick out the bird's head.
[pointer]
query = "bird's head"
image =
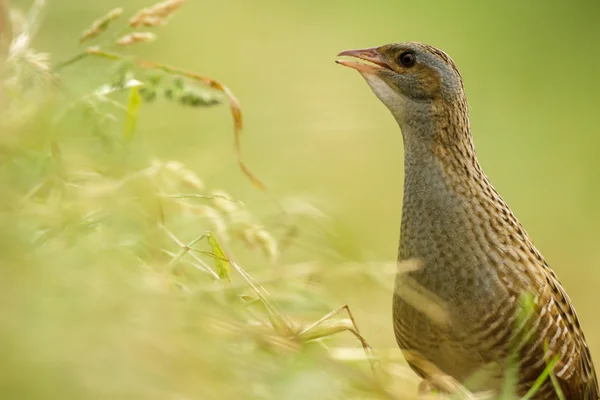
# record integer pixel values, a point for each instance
(411, 79)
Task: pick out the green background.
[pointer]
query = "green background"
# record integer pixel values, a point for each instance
(314, 129)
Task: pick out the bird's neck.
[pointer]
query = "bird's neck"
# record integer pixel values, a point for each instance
(452, 217)
(438, 142)
(440, 171)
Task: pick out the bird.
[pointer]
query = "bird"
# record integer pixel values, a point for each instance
(475, 259)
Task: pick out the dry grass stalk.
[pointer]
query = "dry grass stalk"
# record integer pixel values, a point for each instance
(234, 104)
(101, 24)
(419, 297)
(156, 15)
(439, 381)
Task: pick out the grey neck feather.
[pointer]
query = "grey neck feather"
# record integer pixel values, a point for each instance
(433, 215)
(436, 225)
(428, 197)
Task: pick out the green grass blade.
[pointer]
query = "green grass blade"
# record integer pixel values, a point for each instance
(221, 261)
(541, 379)
(133, 108)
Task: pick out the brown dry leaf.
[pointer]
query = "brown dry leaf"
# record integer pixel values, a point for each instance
(234, 106)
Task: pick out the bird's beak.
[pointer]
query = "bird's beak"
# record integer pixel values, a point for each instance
(371, 55)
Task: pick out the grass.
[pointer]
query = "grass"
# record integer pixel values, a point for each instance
(120, 276)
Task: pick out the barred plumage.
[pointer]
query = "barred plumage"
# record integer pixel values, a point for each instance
(476, 257)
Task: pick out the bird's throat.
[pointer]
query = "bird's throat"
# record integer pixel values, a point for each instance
(440, 168)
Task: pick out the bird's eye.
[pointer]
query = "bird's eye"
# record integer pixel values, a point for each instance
(407, 59)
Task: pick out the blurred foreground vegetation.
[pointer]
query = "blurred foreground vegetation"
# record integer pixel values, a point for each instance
(139, 261)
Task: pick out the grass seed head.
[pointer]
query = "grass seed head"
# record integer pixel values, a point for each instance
(156, 15)
(101, 24)
(136, 37)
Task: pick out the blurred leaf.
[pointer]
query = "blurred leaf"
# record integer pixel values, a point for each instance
(133, 107)
(221, 262)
